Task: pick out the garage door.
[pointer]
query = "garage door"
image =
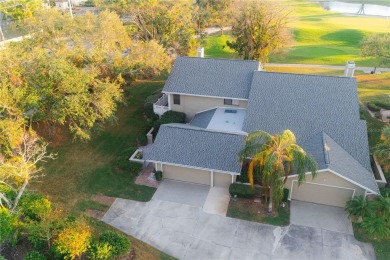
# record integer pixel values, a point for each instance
(321, 194)
(186, 174)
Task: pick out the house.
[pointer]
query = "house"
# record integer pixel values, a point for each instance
(62, 5)
(225, 99)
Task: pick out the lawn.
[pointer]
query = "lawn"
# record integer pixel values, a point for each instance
(83, 169)
(320, 37)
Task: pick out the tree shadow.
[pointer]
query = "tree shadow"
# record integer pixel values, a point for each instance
(346, 37)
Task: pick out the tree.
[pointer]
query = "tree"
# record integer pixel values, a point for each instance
(18, 170)
(277, 156)
(170, 23)
(382, 149)
(378, 46)
(20, 9)
(260, 28)
(209, 12)
(359, 206)
(73, 240)
(70, 71)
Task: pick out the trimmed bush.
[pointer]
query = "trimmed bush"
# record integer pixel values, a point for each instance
(34, 206)
(169, 117)
(285, 194)
(34, 255)
(241, 191)
(158, 175)
(119, 243)
(123, 163)
(383, 105)
(373, 107)
(100, 251)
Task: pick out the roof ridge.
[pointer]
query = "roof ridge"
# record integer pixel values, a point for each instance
(211, 58)
(302, 74)
(196, 128)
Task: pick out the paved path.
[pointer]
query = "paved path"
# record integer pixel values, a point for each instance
(186, 232)
(324, 67)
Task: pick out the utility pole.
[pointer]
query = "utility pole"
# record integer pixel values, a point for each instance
(70, 9)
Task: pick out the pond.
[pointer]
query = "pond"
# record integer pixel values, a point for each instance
(356, 8)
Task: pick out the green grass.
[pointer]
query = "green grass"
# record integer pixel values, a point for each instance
(83, 169)
(320, 37)
(381, 247)
(282, 219)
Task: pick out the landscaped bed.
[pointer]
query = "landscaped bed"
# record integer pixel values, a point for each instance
(256, 209)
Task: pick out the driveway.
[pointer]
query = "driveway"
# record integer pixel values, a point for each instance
(320, 216)
(187, 232)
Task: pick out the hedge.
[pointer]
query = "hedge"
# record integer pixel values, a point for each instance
(373, 107)
(241, 191)
(383, 105)
(119, 243)
(169, 117)
(158, 175)
(285, 194)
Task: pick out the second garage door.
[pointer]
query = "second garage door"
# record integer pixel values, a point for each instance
(321, 194)
(186, 174)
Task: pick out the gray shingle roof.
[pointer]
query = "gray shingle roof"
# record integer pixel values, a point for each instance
(307, 105)
(203, 119)
(211, 77)
(330, 155)
(197, 147)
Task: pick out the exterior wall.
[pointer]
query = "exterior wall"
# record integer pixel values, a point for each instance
(222, 179)
(324, 194)
(190, 105)
(185, 174)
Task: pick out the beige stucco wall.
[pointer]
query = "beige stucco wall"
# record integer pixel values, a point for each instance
(222, 179)
(185, 174)
(190, 105)
(324, 194)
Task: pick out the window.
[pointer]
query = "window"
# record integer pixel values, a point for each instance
(231, 102)
(176, 99)
(228, 102)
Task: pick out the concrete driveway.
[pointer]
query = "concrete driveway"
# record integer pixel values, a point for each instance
(320, 216)
(187, 232)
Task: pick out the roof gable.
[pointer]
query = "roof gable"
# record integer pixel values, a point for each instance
(211, 77)
(308, 105)
(193, 146)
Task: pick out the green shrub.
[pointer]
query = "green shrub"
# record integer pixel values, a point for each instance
(169, 117)
(158, 175)
(8, 227)
(34, 206)
(123, 163)
(243, 177)
(119, 243)
(385, 192)
(100, 251)
(241, 190)
(383, 105)
(373, 107)
(359, 206)
(34, 255)
(285, 194)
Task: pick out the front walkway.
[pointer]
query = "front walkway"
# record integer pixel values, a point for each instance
(187, 232)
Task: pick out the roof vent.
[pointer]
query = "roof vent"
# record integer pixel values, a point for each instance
(200, 52)
(349, 69)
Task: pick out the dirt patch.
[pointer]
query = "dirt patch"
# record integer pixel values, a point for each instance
(105, 200)
(56, 135)
(97, 214)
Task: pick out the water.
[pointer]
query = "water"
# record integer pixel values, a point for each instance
(356, 8)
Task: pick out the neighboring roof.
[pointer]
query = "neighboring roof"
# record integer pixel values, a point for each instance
(308, 105)
(221, 119)
(330, 155)
(193, 146)
(203, 119)
(211, 77)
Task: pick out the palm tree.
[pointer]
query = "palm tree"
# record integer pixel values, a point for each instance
(382, 149)
(359, 206)
(277, 155)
